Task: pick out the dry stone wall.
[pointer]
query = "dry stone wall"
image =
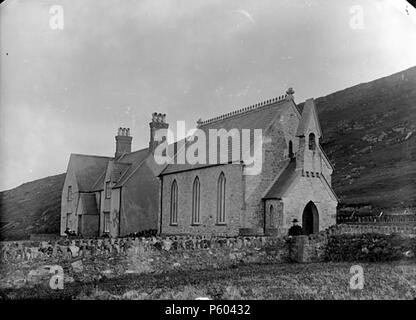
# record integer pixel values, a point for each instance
(354, 243)
(28, 262)
(370, 247)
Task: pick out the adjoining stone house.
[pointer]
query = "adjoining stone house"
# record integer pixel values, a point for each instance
(113, 195)
(222, 199)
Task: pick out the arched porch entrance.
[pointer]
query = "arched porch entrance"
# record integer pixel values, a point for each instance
(310, 219)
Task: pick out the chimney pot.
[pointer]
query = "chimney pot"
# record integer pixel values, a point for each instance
(123, 142)
(158, 122)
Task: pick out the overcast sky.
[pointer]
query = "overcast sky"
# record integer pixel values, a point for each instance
(115, 62)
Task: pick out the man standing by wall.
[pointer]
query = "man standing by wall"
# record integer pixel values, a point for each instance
(295, 230)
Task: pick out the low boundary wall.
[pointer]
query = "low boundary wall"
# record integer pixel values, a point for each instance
(25, 263)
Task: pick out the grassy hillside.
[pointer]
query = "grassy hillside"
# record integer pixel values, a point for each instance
(370, 136)
(34, 207)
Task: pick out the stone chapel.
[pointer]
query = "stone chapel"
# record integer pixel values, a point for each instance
(131, 192)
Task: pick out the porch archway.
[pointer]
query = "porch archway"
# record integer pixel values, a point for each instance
(310, 219)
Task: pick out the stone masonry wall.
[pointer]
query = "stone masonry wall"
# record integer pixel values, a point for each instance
(208, 178)
(29, 262)
(68, 206)
(309, 189)
(315, 247)
(274, 159)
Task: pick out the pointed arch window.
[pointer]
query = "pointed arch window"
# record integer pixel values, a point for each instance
(291, 150)
(221, 216)
(174, 203)
(69, 194)
(271, 223)
(196, 202)
(312, 141)
(108, 189)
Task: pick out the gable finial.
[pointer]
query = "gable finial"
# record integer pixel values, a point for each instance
(289, 93)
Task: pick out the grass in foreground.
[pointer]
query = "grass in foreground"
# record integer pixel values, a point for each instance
(278, 281)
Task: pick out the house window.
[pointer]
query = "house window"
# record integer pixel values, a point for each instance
(221, 199)
(196, 201)
(290, 149)
(174, 204)
(108, 189)
(106, 222)
(312, 142)
(69, 193)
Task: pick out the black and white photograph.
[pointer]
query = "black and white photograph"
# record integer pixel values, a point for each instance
(224, 152)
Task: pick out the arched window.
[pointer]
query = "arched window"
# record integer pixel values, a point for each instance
(195, 201)
(271, 216)
(290, 149)
(174, 203)
(221, 199)
(312, 142)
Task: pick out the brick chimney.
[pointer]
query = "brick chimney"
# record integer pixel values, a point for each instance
(158, 122)
(123, 142)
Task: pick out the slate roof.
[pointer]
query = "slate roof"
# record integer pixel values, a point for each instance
(326, 157)
(300, 106)
(89, 203)
(118, 170)
(134, 159)
(90, 170)
(283, 182)
(286, 179)
(99, 184)
(87, 169)
(257, 118)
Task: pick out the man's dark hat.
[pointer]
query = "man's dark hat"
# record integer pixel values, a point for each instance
(295, 220)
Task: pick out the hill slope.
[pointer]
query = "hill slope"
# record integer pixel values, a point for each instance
(33, 207)
(369, 133)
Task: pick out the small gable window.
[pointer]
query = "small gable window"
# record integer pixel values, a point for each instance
(69, 194)
(221, 199)
(174, 204)
(196, 201)
(108, 189)
(312, 141)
